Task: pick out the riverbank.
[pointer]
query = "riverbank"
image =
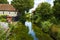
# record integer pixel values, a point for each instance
(17, 32)
(40, 34)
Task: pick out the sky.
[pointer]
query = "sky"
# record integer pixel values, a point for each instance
(36, 2)
(9, 1)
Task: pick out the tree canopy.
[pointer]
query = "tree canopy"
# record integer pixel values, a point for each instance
(57, 9)
(43, 12)
(44, 8)
(3, 2)
(23, 5)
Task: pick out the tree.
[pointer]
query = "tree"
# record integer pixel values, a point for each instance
(3, 2)
(22, 6)
(43, 12)
(57, 10)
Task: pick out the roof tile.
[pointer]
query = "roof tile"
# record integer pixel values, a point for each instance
(6, 7)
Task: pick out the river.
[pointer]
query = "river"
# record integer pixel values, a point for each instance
(31, 31)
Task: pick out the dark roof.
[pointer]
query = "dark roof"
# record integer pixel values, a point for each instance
(6, 7)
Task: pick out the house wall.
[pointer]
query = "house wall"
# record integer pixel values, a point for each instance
(1, 12)
(10, 13)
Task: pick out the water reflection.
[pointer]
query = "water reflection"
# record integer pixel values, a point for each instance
(29, 25)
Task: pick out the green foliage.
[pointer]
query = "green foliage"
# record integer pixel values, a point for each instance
(19, 32)
(58, 35)
(36, 18)
(57, 10)
(43, 13)
(16, 32)
(44, 8)
(3, 18)
(46, 25)
(28, 16)
(22, 6)
(40, 34)
(3, 2)
(55, 32)
(45, 16)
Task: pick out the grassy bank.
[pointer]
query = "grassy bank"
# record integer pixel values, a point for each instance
(17, 32)
(52, 34)
(40, 34)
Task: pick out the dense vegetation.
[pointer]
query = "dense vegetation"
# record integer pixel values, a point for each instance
(22, 6)
(3, 2)
(16, 31)
(45, 21)
(3, 18)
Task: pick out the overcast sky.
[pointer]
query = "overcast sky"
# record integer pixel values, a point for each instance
(36, 2)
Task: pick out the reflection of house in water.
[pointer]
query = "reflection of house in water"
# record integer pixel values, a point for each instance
(9, 10)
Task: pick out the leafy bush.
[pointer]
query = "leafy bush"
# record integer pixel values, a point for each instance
(15, 32)
(19, 32)
(55, 32)
(46, 26)
(40, 34)
(3, 18)
(58, 35)
(3, 33)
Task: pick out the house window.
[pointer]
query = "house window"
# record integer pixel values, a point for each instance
(3, 12)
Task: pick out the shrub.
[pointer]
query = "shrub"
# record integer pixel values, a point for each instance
(40, 34)
(3, 18)
(19, 32)
(46, 26)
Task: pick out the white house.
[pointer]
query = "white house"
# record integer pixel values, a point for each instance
(7, 9)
